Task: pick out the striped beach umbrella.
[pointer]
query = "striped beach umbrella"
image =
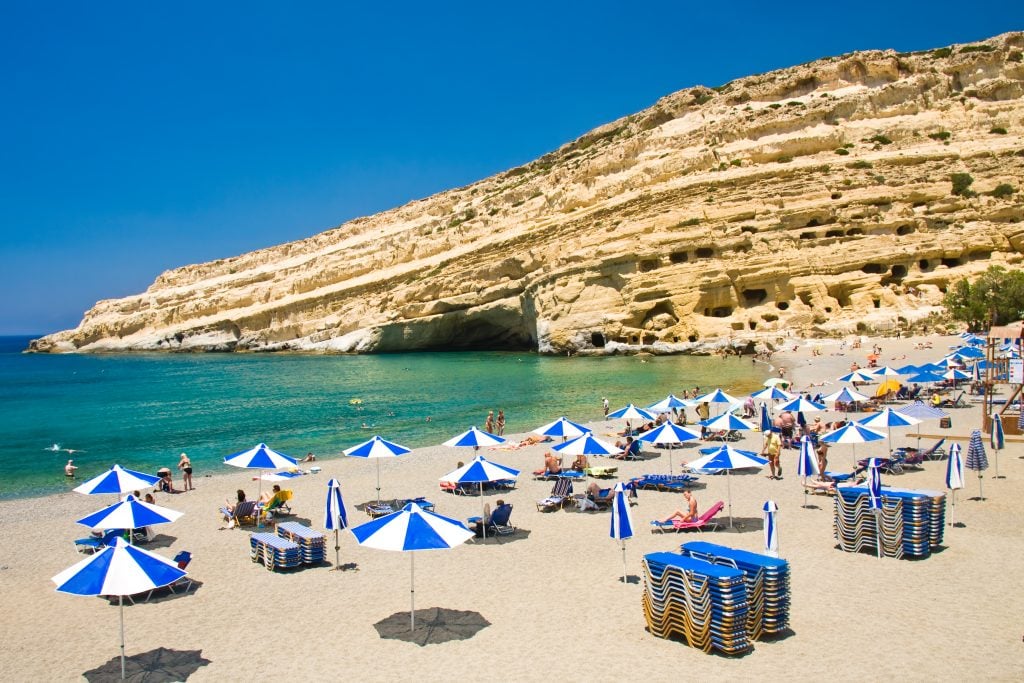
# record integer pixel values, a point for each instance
(727, 422)
(802, 405)
(670, 402)
(997, 440)
(631, 412)
(976, 459)
(772, 394)
(130, 513)
(884, 371)
(771, 529)
(563, 427)
(481, 471)
(335, 517)
(807, 462)
(717, 396)
(474, 438)
(727, 458)
(852, 433)
(670, 434)
(861, 376)
(888, 418)
(377, 448)
(622, 523)
(412, 529)
(261, 457)
(875, 499)
(1020, 416)
(588, 444)
(926, 378)
(921, 411)
(118, 569)
(117, 480)
(954, 477)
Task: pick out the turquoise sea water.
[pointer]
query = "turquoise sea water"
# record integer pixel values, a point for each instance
(142, 410)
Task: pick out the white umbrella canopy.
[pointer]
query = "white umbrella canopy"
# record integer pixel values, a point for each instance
(777, 382)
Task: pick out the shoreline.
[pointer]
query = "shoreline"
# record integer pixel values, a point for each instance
(559, 564)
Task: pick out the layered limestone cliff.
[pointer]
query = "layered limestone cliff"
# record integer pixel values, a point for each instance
(817, 198)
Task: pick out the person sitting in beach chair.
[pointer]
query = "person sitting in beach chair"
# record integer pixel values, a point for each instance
(630, 449)
(278, 502)
(496, 523)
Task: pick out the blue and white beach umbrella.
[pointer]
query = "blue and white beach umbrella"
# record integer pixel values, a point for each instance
(884, 371)
(412, 529)
(117, 480)
(588, 444)
(888, 418)
(335, 516)
(772, 394)
(727, 422)
(562, 427)
(481, 471)
(997, 439)
(807, 462)
(474, 438)
(771, 528)
(852, 433)
(976, 459)
(670, 402)
(622, 522)
(728, 459)
(861, 376)
(670, 434)
(377, 448)
(764, 420)
(954, 477)
(845, 395)
(908, 369)
(802, 405)
(956, 375)
(717, 396)
(130, 513)
(118, 569)
(631, 412)
(875, 498)
(261, 457)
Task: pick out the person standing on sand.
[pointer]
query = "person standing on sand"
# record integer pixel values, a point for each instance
(489, 423)
(499, 423)
(772, 447)
(185, 465)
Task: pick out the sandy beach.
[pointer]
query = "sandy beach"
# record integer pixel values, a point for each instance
(552, 593)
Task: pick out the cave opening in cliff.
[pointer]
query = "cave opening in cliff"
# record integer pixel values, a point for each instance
(597, 340)
(924, 264)
(952, 262)
(753, 297)
(679, 257)
(872, 268)
(834, 233)
(705, 252)
(905, 229)
(647, 265)
(899, 271)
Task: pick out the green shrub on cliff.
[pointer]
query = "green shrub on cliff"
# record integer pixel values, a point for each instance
(995, 297)
(962, 184)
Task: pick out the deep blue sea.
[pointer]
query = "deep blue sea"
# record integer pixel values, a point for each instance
(142, 410)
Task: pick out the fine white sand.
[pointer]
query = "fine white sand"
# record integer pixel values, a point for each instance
(553, 595)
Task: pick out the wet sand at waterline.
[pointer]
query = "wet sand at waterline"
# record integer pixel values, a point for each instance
(553, 593)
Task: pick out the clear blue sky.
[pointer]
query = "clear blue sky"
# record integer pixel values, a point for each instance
(141, 136)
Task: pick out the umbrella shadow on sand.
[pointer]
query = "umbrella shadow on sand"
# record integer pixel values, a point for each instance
(500, 539)
(742, 525)
(433, 625)
(155, 666)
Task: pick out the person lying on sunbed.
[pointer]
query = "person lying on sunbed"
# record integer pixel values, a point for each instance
(691, 510)
(598, 495)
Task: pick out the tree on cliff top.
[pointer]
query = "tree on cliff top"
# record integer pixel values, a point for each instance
(995, 298)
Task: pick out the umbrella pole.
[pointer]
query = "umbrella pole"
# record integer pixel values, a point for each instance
(412, 591)
(378, 480)
(728, 488)
(996, 452)
(624, 579)
(878, 531)
(805, 492)
(259, 492)
(483, 514)
(952, 505)
(670, 460)
(337, 547)
(981, 487)
(120, 602)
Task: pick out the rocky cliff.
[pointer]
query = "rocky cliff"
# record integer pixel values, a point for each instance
(841, 195)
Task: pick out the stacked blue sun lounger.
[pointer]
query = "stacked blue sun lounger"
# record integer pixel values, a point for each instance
(311, 543)
(767, 580)
(704, 603)
(274, 552)
(665, 482)
(912, 522)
